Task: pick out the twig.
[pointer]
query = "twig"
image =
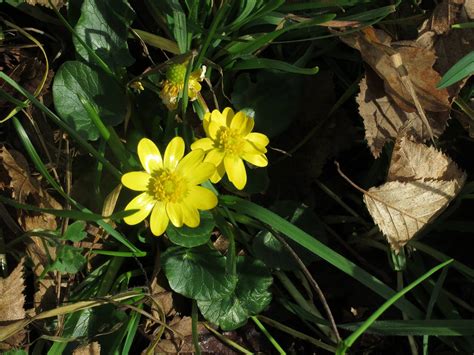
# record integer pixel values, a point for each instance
(313, 284)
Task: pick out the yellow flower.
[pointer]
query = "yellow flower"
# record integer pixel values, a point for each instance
(229, 140)
(173, 85)
(169, 186)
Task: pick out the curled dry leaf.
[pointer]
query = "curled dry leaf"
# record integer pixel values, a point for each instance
(384, 119)
(88, 349)
(421, 183)
(12, 302)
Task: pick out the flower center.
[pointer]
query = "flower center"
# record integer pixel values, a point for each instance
(230, 141)
(167, 186)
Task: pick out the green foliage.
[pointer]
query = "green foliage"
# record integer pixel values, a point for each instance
(76, 79)
(104, 29)
(75, 232)
(273, 96)
(68, 259)
(462, 69)
(198, 273)
(193, 237)
(251, 296)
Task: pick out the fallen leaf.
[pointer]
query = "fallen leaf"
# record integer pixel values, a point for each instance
(377, 49)
(384, 119)
(27, 189)
(12, 302)
(88, 349)
(449, 45)
(422, 182)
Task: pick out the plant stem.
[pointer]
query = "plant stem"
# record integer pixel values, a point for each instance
(269, 336)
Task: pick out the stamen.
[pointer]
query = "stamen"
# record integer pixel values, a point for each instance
(167, 186)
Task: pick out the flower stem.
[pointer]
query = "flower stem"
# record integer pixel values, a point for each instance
(268, 335)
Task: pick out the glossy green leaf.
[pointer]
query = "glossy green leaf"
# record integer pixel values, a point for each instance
(198, 273)
(75, 79)
(193, 237)
(250, 297)
(275, 98)
(104, 28)
(75, 232)
(462, 69)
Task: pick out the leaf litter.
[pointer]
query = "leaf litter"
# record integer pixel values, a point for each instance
(386, 103)
(421, 183)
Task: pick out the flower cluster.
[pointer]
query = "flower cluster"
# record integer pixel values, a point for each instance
(169, 184)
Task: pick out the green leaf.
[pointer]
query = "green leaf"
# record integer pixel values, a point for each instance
(68, 259)
(75, 79)
(337, 260)
(192, 237)
(273, 253)
(250, 297)
(275, 98)
(104, 28)
(434, 327)
(75, 232)
(197, 273)
(264, 63)
(462, 69)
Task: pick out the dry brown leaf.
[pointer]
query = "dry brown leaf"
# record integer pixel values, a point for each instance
(88, 349)
(384, 119)
(449, 45)
(422, 182)
(377, 50)
(12, 302)
(26, 189)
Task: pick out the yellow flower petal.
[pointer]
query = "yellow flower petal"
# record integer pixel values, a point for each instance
(175, 213)
(259, 139)
(213, 128)
(234, 166)
(149, 155)
(136, 180)
(191, 216)
(201, 198)
(215, 157)
(259, 160)
(228, 114)
(218, 174)
(242, 123)
(200, 173)
(218, 118)
(143, 203)
(190, 162)
(159, 219)
(203, 143)
(252, 148)
(174, 152)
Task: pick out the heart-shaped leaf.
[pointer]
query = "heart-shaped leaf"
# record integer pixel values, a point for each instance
(250, 297)
(198, 273)
(104, 28)
(193, 237)
(75, 79)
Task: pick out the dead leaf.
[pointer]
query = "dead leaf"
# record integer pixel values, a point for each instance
(26, 189)
(377, 50)
(88, 349)
(384, 119)
(449, 45)
(422, 182)
(12, 303)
